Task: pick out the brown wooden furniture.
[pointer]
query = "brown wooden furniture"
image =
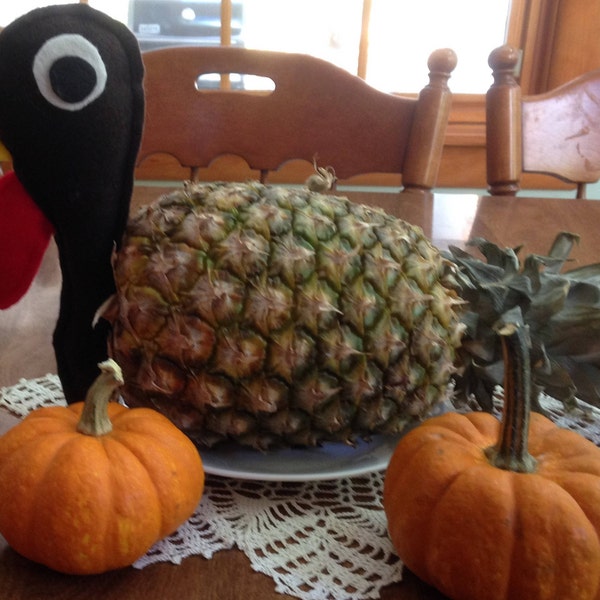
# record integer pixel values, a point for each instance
(26, 351)
(555, 133)
(317, 111)
(558, 38)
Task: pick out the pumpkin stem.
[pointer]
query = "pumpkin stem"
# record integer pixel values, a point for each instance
(511, 451)
(94, 417)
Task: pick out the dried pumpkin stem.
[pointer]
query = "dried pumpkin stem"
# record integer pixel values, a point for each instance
(94, 417)
(511, 452)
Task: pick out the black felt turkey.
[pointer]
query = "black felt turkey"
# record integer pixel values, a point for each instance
(71, 114)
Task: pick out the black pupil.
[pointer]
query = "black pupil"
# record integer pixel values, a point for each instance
(72, 78)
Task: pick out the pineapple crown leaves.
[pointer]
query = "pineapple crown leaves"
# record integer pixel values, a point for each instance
(561, 310)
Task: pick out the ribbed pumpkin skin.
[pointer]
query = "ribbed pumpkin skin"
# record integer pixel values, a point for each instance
(82, 504)
(475, 531)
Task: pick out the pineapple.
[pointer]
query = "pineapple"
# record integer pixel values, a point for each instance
(281, 317)
(561, 310)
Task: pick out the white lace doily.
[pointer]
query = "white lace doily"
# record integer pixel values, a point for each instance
(324, 540)
(287, 529)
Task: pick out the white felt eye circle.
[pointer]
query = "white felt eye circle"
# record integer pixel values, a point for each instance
(69, 71)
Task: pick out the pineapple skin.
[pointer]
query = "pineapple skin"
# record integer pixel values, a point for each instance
(280, 317)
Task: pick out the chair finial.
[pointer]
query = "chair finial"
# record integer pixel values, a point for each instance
(503, 60)
(442, 60)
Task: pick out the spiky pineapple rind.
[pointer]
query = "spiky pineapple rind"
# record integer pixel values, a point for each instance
(277, 316)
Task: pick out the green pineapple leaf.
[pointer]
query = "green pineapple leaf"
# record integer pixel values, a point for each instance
(561, 309)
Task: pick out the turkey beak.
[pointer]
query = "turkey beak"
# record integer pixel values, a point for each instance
(4, 153)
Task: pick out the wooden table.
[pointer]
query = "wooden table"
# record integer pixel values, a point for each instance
(26, 352)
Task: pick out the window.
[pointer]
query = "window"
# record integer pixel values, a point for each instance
(396, 32)
(407, 32)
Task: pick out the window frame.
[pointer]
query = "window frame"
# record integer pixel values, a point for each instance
(547, 32)
(531, 27)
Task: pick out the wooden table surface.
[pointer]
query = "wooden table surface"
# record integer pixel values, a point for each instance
(26, 352)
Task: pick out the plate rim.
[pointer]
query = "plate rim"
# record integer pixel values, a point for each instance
(363, 447)
(390, 439)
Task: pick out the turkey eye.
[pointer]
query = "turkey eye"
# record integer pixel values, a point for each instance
(69, 72)
(72, 79)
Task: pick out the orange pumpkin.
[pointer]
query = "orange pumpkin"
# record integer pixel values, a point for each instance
(483, 509)
(90, 487)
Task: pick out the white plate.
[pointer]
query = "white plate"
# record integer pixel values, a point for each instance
(330, 461)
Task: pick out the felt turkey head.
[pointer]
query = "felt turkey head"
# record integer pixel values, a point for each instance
(71, 116)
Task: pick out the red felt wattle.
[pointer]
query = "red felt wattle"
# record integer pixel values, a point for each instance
(24, 236)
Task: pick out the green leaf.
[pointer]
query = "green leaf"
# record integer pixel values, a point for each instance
(561, 249)
(576, 335)
(471, 320)
(583, 293)
(550, 298)
(512, 315)
(561, 310)
(588, 273)
(493, 373)
(483, 348)
(586, 379)
(521, 284)
(506, 258)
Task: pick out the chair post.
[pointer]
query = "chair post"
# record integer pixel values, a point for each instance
(504, 124)
(429, 125)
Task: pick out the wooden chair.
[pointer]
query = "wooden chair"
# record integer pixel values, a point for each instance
(555, 133)
(316, 111)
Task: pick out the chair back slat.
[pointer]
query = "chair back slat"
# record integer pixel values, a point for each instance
(555, 133)
(316, 111)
